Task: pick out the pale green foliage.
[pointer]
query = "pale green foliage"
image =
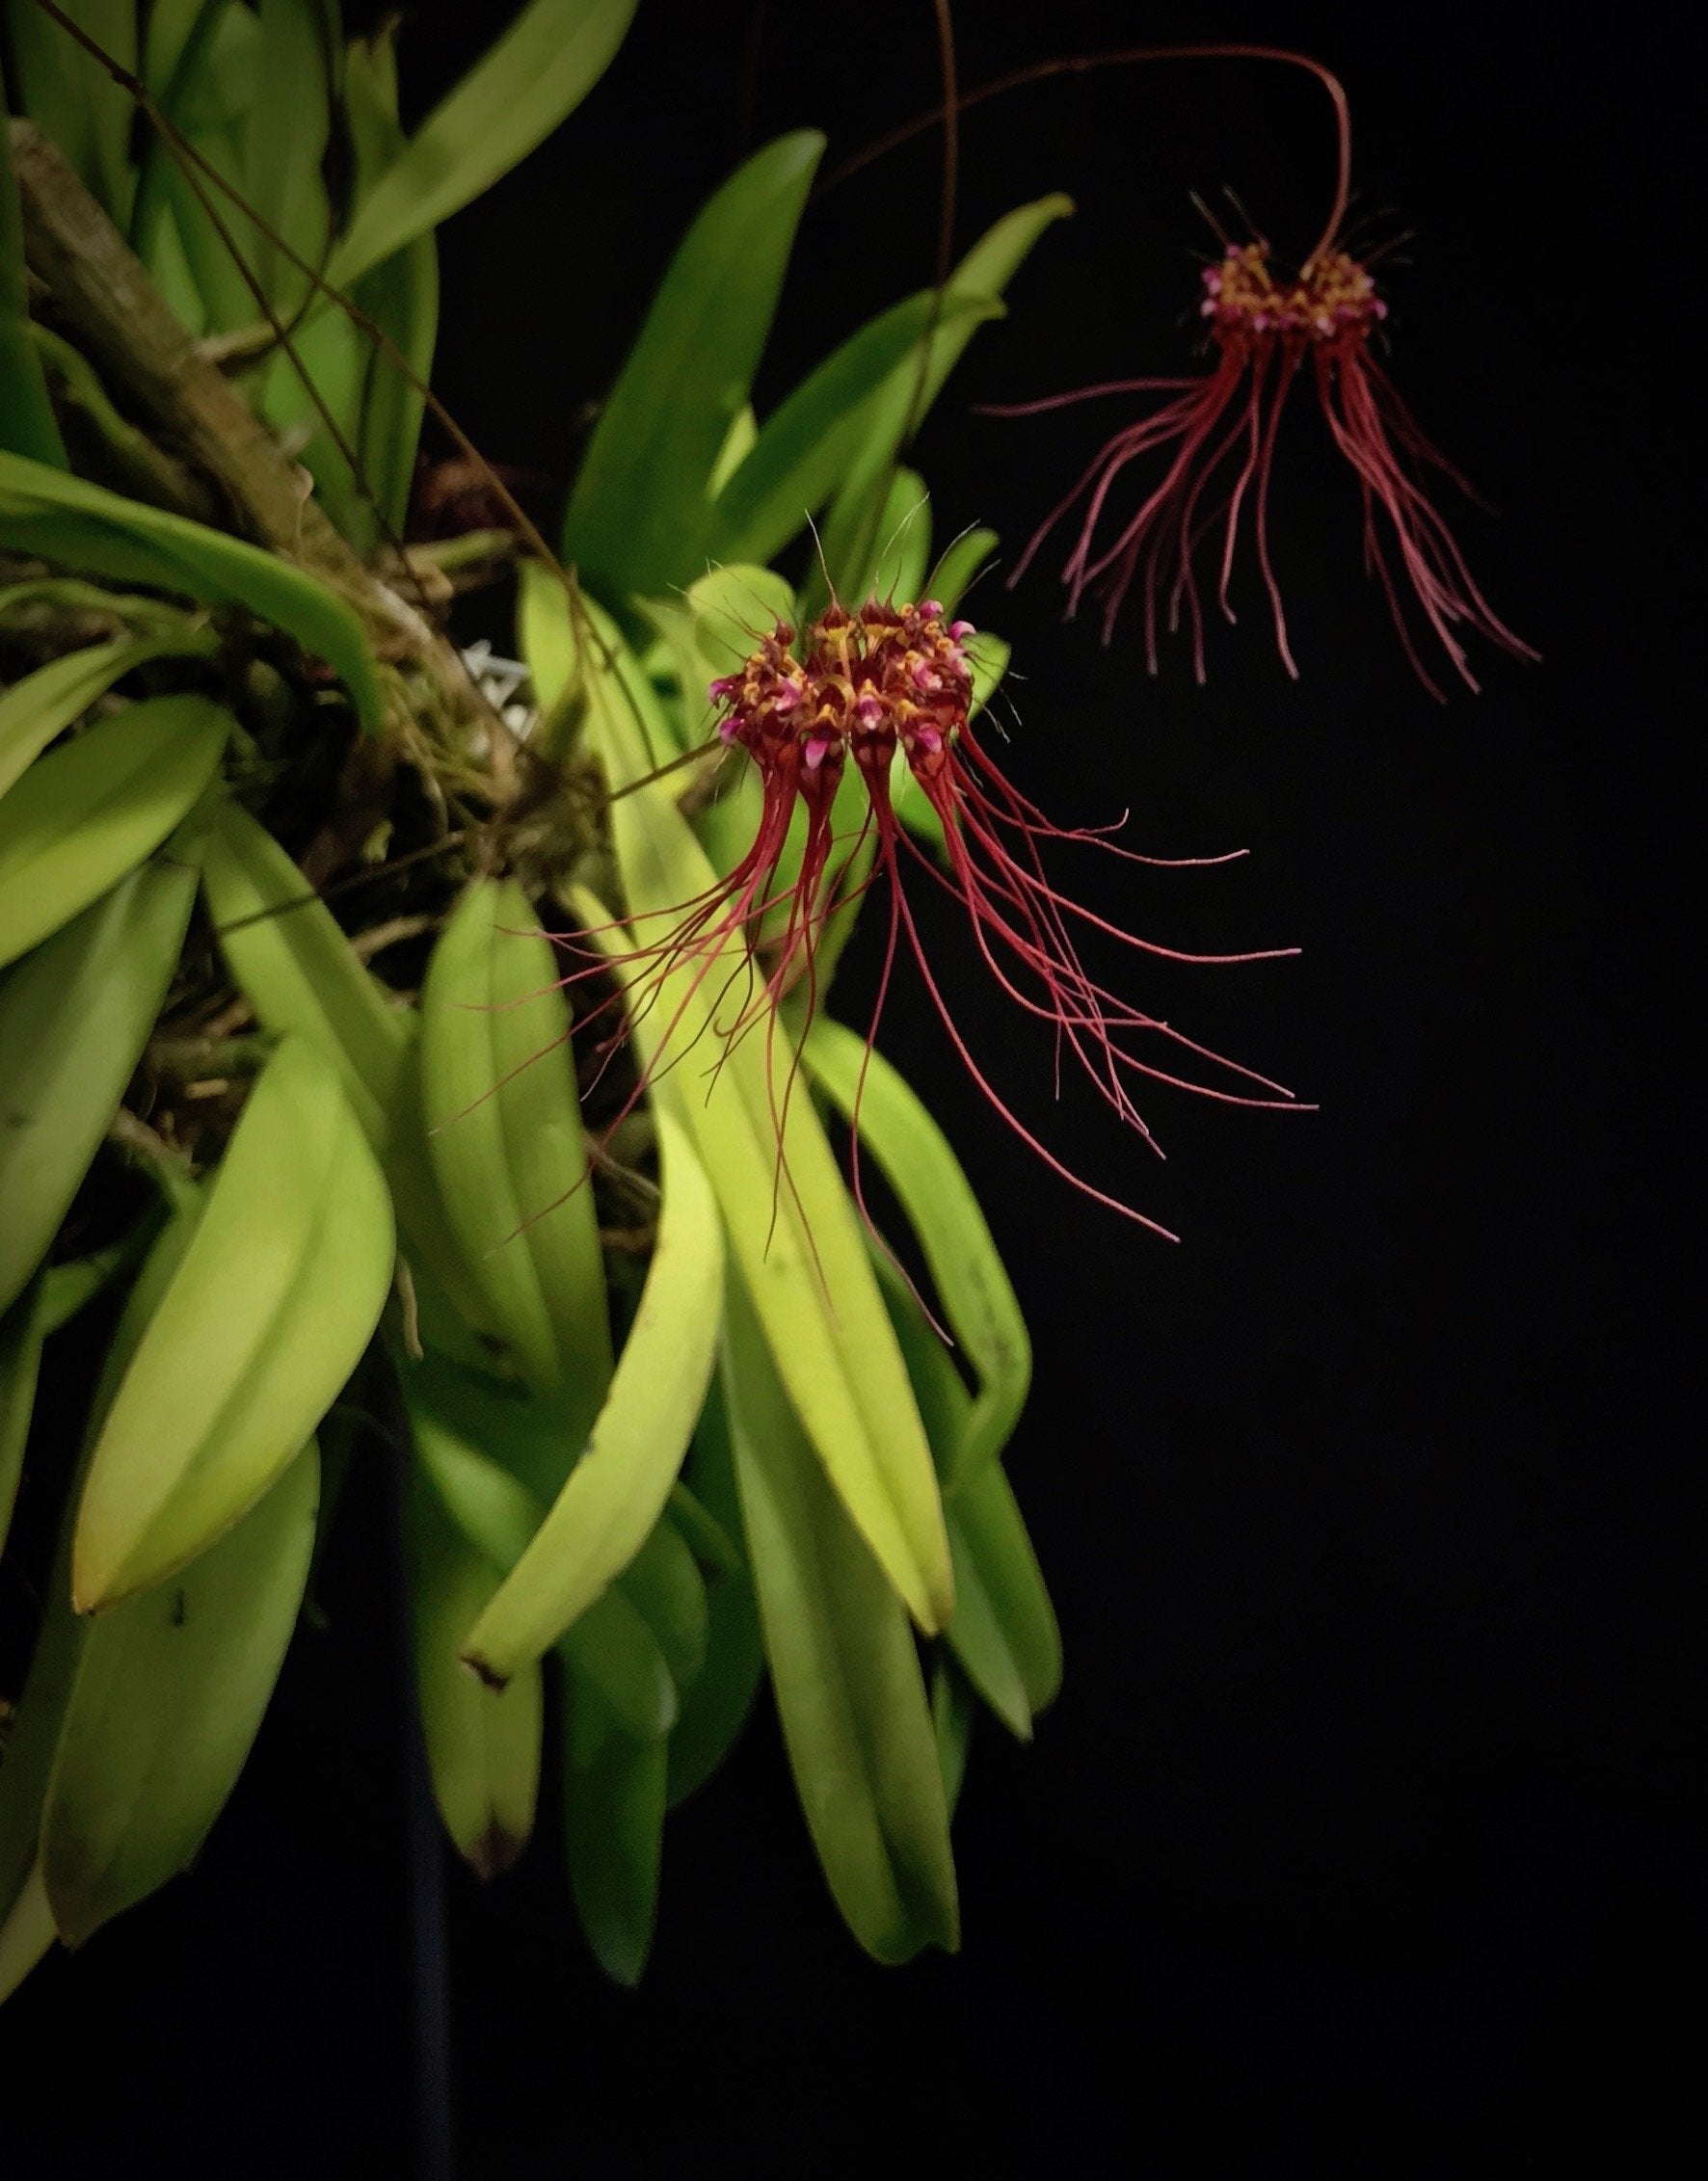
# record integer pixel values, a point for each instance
(647, 1469)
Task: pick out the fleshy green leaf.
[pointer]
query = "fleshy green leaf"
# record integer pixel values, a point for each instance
(851, 530)
(614, 1496)
(27, 424)
(290, 960)
(508, 1148)
(203, 68)
(639, 516)
(264, 1320)
(88, 812)
(483, 1744)
(74, 524)
(905, 540)
(716, 1707)
(35, 1729)
(926, 1177)
(71, 97)
(168, 1697)
(379, 410)
(1004, 1633)
(849, 1693)
(951, 1720)
(664, 1586)
(285, 146)
(473, 1438)
(74, 1015)
(805, 446)
(210, 101)
(707, 630)
(963, 558)
(34, 711)
(614, 1830)
(22, 1330)
(516, 95)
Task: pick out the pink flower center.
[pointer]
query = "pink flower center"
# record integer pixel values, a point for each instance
(857, 686)
(1333, 299)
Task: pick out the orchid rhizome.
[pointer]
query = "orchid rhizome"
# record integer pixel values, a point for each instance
(435, 1056)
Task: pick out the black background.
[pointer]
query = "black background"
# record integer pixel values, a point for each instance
(1357, 1841)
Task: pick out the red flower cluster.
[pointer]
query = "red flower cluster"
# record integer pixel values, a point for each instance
(859, 688)
(1224, 425)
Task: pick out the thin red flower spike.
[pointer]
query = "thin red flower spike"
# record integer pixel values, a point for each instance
(1217, 437)
(860, 689)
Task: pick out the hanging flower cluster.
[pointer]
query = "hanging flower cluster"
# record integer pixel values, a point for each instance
(1265, 329)
(861, 690)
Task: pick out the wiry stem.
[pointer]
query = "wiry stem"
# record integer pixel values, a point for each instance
(1133, 56)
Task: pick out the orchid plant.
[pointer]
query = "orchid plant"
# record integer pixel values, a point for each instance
(414, 1056)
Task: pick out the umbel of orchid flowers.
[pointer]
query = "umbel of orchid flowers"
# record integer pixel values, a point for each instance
(1211, 439)
(879, 694)
(1215, 437)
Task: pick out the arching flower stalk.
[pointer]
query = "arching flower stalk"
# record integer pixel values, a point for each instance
(1217, 435)
(856, 694)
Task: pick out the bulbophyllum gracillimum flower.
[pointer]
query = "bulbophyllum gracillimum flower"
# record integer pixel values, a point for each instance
(1215, 436)
(851, 695)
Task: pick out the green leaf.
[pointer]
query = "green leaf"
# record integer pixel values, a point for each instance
(203, 67)
(851, 530)
(69, 1289)
(35, 1730)
(22, 1331)
(171, 26)
(542, 633)
(905, 541)
(707, 630)
(75, 525)
(945, 1214)
(291, 961)
(664, 1586)
(535, 75)
(713, 1545)
(401, 297)
(169, 1695)
(962, 559)
(264, 1320)
(715, 1709)
(639, 516)
(284, 145)
(613, 1830)
(70, 95)
(849, 1693)
(473, 1438)
(805, 446)
(35, 711)
(1004, 1633)
(791, 1225)
(26, 1935)
(612, 1647)
(74, 1015)
(614, 1496)
(994, 1555)
(483, 1744)
(88, 813)
(508, 1147)
(379, 410)
(27, 424)
(951, 1720)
